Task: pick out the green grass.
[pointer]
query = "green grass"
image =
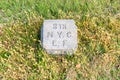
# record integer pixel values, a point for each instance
(98, 53)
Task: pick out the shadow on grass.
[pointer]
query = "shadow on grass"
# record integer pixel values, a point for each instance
(39, 50)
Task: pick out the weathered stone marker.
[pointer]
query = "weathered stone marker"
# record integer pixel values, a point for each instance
(59, 36)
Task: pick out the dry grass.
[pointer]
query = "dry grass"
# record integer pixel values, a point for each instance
(98, 53)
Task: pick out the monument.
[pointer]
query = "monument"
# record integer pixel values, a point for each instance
(59, 36)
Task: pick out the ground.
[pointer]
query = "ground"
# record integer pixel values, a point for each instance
(98, 53)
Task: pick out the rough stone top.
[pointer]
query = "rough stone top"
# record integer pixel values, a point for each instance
(59, 36)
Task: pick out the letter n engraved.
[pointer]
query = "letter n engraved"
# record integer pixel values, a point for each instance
(49, 34)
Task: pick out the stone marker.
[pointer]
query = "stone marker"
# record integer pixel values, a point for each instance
(59, 36)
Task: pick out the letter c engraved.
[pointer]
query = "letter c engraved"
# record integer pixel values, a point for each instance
(68, 34)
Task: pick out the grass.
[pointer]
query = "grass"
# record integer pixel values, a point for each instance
(98, 53)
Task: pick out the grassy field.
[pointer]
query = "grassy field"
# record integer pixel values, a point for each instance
(98, 53)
